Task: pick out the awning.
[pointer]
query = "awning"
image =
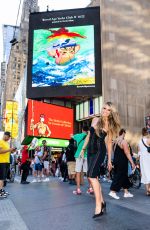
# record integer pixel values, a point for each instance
(27, 140)
(50, 141)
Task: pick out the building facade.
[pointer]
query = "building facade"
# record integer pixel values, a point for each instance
(18, 53)
(9, 32)
(125, 34)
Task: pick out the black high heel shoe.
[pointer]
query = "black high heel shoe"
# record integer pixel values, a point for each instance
(98, 215)
(104, 206)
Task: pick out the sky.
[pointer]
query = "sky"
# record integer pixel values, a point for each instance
(9, 10)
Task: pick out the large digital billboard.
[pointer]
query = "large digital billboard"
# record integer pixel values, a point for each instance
(64, 53)
(47, 120)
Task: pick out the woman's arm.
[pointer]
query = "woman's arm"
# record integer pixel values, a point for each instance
(127, 152)
(93, 124)
(109, 151)
(85, 144)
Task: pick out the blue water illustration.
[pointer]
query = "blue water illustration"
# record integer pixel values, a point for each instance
(48, 73)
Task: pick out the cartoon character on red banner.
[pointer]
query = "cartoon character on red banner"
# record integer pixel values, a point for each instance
(42, 128)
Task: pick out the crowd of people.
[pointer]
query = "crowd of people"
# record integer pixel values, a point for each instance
(85, 155)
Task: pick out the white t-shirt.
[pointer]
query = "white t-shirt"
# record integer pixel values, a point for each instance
(38, 157)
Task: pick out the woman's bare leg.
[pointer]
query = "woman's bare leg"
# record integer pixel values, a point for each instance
(98, 194)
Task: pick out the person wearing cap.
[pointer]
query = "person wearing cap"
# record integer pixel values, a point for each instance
(25, 165)
(25, 154)
(5, 151)
(42, 128)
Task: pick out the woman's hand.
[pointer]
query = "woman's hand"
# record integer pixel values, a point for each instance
(109, 166)
(133, 166)
(82, 153)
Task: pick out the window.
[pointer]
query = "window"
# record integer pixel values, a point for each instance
(77, 112)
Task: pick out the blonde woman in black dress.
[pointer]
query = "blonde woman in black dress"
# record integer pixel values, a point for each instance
(101, 134)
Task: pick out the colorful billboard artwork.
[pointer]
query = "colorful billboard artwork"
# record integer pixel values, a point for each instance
(47, 120)
(64, 53)
(63, 57)
(11, 115)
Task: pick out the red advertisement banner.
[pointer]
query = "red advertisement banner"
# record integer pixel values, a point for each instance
(47, 120)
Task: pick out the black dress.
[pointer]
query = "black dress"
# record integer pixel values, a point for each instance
(120, 179)
(96, 153)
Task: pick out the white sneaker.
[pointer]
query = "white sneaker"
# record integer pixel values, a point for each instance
(114, 195)
(46, 179)
(128, 195)
(34, 180)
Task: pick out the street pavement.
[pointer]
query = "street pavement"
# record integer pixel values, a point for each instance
(52, 206)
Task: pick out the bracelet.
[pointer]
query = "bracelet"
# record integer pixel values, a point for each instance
(83, 149)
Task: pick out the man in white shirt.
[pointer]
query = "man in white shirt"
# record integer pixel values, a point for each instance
(38, 164)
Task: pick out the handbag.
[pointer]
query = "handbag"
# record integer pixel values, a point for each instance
(148, 147)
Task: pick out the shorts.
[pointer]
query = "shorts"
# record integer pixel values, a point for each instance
(38, 167)
(46, 164)
(71, 167)
(81, 165)
(3, 170)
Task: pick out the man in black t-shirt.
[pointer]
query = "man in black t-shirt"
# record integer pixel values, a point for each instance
(70, 152)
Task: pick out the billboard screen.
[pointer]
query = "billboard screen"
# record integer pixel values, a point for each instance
(11, 118)
(64, 53)
(47, 120)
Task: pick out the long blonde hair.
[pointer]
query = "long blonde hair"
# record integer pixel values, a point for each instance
(113, 121)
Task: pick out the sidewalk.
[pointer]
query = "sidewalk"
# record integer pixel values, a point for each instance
(40, 206)
(10, 218)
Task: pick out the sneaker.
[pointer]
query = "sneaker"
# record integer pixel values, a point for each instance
(128, 195)
(77, 192)
(46, 179)
(3, 195)
(114, 195)
(5, 192)
(90, 191)
(34, 180)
